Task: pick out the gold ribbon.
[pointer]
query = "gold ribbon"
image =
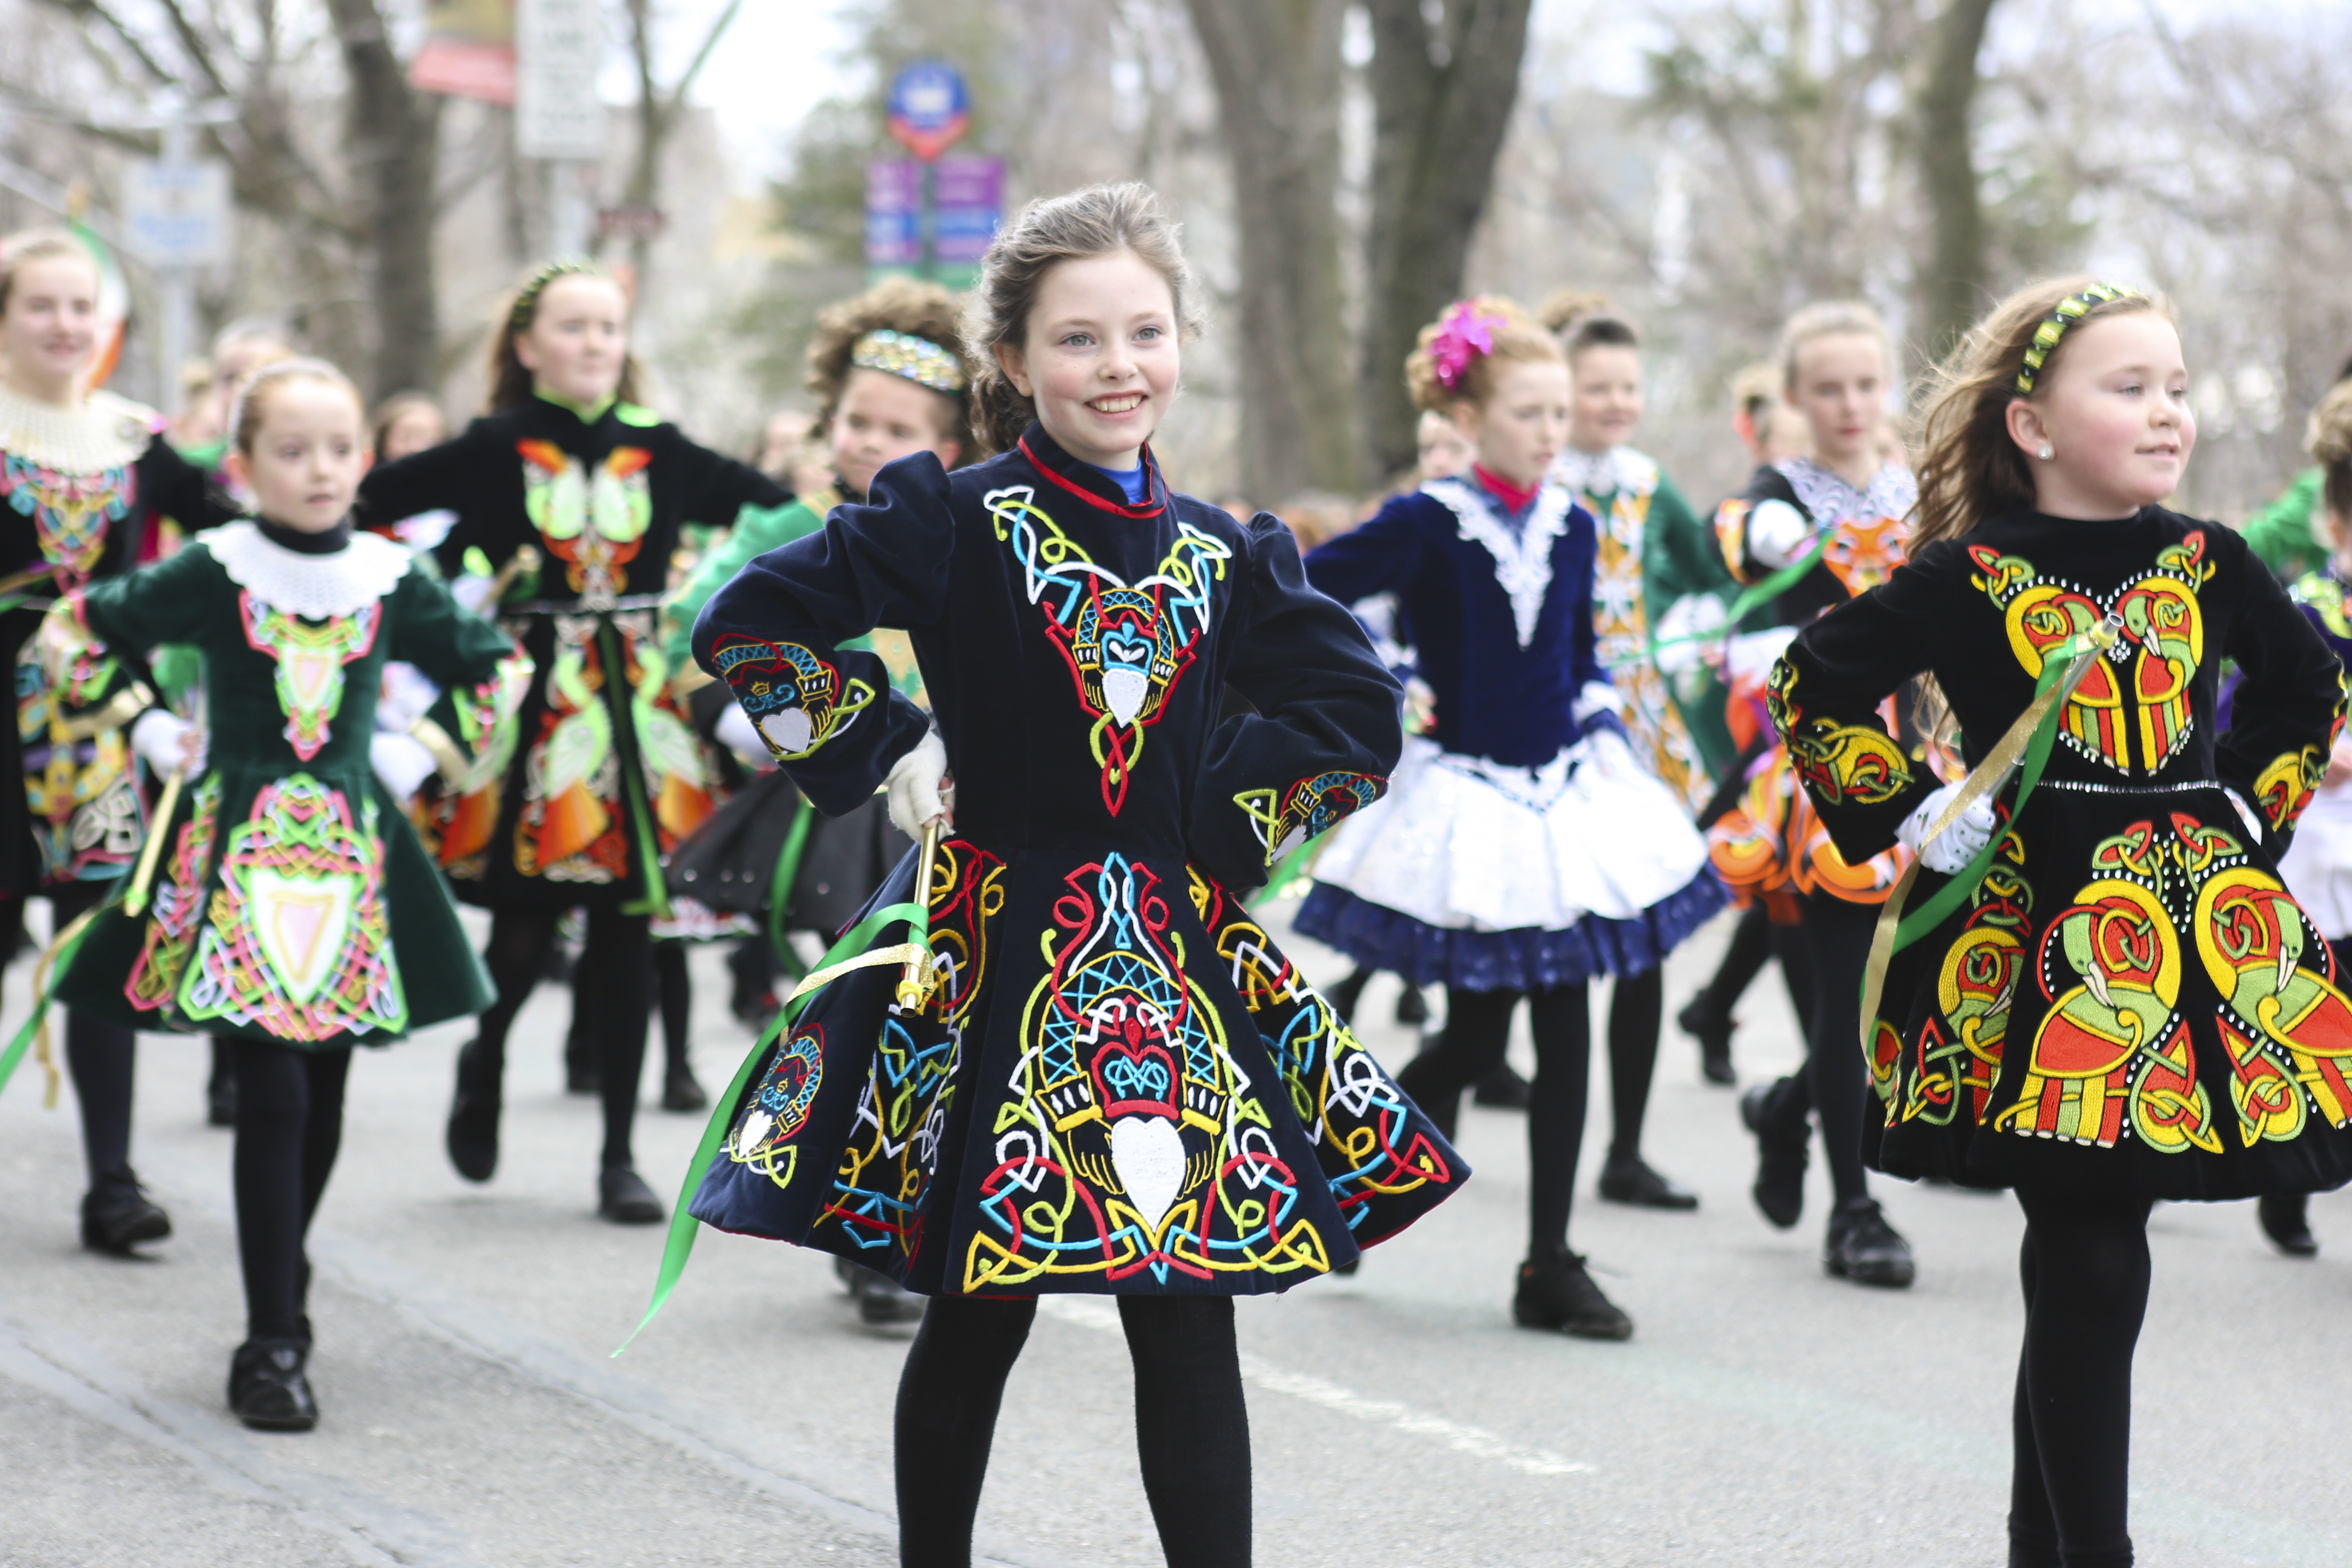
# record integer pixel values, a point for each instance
(134, 903)
(49, 956)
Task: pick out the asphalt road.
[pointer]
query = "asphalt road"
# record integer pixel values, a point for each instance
(1762, 1414)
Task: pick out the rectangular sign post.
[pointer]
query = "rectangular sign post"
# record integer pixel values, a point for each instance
(175, 217)
(559, 51)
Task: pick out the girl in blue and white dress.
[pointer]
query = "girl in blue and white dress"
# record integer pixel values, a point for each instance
(1522, 852)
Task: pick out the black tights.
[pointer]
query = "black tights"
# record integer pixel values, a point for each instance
(614, 991)
(1829, 951)
(289, 1123)
(1743, 959)
(2085, 1270)
(1477, 1029)
(101, 1058)
(1637, 1005)
(673, 989)
(1191, 1426)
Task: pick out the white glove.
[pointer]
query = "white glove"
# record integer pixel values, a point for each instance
(472, 593)
(1606, 751)
(1963, 841)
(915, 785)
(407, 696)
(159, 737)
(2246, 813)
(1597, 697)
(739, 735)
(1749, 657)
(1685, 633)
(402, 761)
(1778, 533)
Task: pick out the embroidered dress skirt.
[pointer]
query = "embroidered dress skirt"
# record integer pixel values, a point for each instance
(1492, 877)
(1118, 1084)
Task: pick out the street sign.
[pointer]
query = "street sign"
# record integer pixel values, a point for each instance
(894, 216)
(631, 222)
(559, 50)
(967, 205)
(469, 50)
(929, 108)
(178, 213)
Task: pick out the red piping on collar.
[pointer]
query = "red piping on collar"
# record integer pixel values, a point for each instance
(1150, 509)
(1511, 495)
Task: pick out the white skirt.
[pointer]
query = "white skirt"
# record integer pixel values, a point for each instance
(1461, 843)
(2317, 867)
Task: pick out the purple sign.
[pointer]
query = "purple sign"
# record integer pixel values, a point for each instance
(893, 214)
(967, 205)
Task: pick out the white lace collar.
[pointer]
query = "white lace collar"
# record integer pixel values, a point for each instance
(1600, 474)
(1891, 492)
(106, 432)
(315, 586)
(1522, 560)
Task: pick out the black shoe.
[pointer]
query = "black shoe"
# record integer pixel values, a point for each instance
(623, 1197)
(267, 1387)
(681, 1092)
(1502, 1089)
(115, 1218)
(473, 1134)
(1863, 1248)
(1632, 1182)
(1413, 1007)
(1344, 995)
(882, 1299)
(220, 1099)
(1712, 1030)
(1780, 1155)
(1556, 1293)
(2285, 1219)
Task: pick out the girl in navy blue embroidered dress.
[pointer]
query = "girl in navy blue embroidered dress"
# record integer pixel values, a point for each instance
(1524, 851)
(1120, 1085)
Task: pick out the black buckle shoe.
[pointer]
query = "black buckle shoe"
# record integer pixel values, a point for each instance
(1413, 1007)
(2285, 1218)
(681, 1092)
(882, 1299)
(623, 1197)
(268, 1388)
(1712, 1030)
(473, 1133)
(1502, 1089)
(1863, 1248)
(1780, 1155)
(1556, 1293)
(115, 1218)
(1633, 1183)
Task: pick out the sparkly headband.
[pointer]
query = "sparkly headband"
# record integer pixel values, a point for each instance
(1464, 333)
(920, 359)
(2071, 310)
(526, 303)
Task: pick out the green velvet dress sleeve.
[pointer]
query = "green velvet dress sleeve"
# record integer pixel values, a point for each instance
(2281, 535)
(1680, 556)
(757, 530)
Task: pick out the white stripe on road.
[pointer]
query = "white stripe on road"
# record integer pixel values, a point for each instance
(1476, 1441)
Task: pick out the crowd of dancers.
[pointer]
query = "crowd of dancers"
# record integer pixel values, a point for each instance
(2001, 761)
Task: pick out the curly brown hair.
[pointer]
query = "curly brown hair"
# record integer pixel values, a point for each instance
(901, 305)
(1099, 220)
(1519, 339)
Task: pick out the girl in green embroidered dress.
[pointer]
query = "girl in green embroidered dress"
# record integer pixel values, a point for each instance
(291, 910)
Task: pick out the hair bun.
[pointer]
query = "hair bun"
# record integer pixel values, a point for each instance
(2329, 437)
(1565, 306)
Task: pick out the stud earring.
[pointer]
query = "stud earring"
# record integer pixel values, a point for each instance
(2046, 454)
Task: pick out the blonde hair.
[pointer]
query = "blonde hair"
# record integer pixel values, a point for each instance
(2329, 441)
(511, 384)
(396, 408)
(44, 244)
(1100, 220)
(1518, 337)
(262, 387)
(1968, 468)
(900, 305)
(1584, 321)
(1829, 318)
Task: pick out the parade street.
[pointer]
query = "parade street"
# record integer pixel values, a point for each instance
(1763, 1413)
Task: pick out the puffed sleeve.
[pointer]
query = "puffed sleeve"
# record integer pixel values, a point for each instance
(470, 729)
(1376, 557)
(2288, 708)
(167, 602)
(775, 633)
(1326, 733)
(1823, 696)
(719, 488)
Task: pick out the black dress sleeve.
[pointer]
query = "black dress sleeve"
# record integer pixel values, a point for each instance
(1823, 696)
(172, 487)
(773, 633)
(2288, 708)
(1325, 733)
(1377, 557)
(439, 477)
(718, 487)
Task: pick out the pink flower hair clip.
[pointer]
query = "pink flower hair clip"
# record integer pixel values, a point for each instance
(1463, 334)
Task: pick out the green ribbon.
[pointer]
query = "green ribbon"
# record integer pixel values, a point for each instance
(779, 885)
(683, 1226)
(633, 778)
(1751, 598)
(58, 962)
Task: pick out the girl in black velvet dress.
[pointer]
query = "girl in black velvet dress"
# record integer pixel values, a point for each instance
(2125, 1003)
(1118, 1084)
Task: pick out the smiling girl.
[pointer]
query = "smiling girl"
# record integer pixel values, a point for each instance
(1116, 1084)
(2128, 1006)
(293, 913)
(89, 485)
(1525, 853)
(568, 497)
